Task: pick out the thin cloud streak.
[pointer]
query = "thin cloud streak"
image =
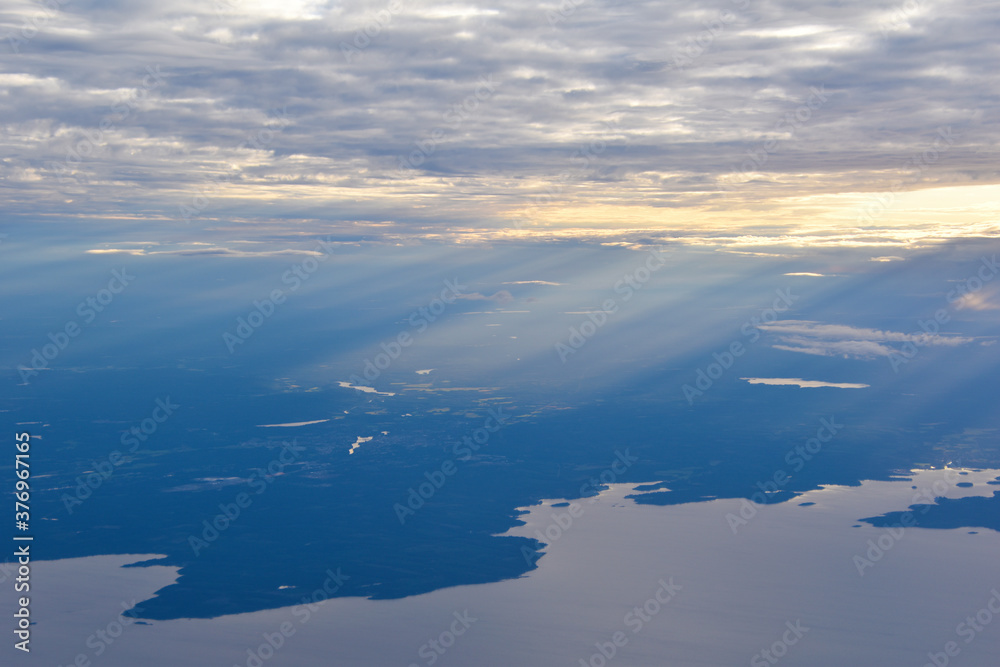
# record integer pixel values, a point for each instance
(831, 340)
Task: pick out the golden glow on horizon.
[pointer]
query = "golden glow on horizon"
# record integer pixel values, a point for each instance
(856, 218)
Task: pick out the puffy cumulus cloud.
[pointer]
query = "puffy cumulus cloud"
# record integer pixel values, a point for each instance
(841, 340)
(444, 120)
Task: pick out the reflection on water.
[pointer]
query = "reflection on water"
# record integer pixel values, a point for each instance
(731, 596)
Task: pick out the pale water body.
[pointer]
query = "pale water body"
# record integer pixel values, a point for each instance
(789, 563)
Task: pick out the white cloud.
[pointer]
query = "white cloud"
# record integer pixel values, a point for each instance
(116, 251)
(531, 282)
(207, 249)
(799, 382)
(292, 424)
(988, 298)
(830, 340)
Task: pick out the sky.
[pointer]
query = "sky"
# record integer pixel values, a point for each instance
(729, 124)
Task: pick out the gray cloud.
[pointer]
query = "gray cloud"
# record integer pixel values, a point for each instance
(611, 103)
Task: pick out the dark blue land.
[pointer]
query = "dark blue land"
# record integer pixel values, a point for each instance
(621, 391)
(975, 512)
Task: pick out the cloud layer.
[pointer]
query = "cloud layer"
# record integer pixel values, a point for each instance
(444, 120)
